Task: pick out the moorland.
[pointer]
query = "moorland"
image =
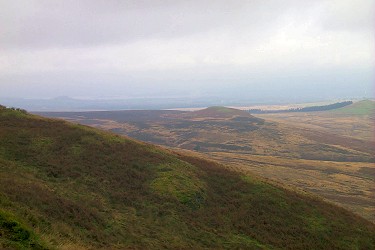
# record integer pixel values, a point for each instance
(328, 153)
(69, 186)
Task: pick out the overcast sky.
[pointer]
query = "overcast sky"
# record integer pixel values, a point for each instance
(116, 48)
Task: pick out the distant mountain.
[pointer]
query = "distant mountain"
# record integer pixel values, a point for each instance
(69, 186)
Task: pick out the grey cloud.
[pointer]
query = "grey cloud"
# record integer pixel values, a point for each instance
(92, 47)
(86, 23)
(349, 15)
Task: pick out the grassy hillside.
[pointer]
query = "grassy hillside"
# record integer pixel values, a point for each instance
(343, 141)
(68, 186)
(365, 107)
(317, 138)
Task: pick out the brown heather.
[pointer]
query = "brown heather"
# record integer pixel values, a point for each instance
(65, 186)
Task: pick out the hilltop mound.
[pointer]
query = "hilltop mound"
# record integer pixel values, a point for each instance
(70, 186)
(221, 112)
(365, 107)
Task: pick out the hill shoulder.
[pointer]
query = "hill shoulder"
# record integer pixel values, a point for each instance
(365, 107)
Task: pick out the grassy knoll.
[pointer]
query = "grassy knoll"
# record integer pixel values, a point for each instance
(365, 107)
(74, 187)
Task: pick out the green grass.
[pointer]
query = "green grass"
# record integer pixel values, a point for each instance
(365, 107)
(15, 235)
(77, 187)
(180, 180)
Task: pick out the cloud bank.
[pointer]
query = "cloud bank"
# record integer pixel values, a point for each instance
(126, 48)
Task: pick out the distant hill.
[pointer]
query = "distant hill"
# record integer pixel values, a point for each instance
(365, 107)
(327, 107)
(220, 112)
(69, 186)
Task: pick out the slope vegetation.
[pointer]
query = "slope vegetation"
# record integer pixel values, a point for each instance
(74, 187)
(300, 149)
(365, 107)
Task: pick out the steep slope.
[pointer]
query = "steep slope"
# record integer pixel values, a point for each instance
(73, 187)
